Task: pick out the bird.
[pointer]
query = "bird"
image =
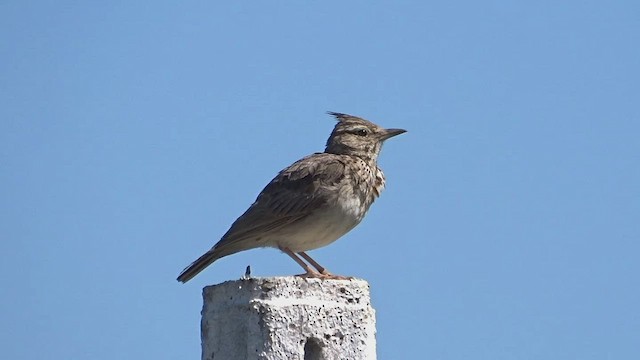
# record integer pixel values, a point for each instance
(311, 203)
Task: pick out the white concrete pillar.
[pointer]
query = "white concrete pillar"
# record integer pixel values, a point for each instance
(288, 318)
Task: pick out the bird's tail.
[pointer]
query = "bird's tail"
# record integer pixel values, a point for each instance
(197, 266)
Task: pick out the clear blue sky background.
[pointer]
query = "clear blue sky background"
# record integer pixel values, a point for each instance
(133, 134)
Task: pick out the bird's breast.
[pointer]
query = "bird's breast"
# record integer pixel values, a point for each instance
(320, 228)
(347, 205)
(367, 184)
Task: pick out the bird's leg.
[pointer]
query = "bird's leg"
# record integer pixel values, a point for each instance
(309, 271)
(314, 263)
(321, 268)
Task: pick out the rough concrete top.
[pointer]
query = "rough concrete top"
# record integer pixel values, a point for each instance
(290, 289)
(288, 318)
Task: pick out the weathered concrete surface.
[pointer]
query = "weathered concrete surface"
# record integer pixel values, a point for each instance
(288, 318)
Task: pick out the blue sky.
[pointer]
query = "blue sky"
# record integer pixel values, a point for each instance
(133, 134)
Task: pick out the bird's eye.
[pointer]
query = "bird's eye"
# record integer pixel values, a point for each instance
(362, 132)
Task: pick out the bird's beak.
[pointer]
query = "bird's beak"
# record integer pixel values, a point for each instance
(389, 133)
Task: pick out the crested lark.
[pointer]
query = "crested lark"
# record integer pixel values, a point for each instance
(313, 202)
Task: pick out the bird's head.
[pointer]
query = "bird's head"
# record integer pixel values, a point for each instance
(358, 137)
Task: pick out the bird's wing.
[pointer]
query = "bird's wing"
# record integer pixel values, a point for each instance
(292, 195)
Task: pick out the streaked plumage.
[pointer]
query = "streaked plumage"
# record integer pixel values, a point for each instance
(313, 202)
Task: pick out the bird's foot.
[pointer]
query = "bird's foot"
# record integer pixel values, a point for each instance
(324, 275)
(334, 276)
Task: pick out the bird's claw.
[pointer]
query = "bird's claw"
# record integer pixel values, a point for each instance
(325, 275)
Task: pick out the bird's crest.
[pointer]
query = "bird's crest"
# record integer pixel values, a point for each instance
(342, 117)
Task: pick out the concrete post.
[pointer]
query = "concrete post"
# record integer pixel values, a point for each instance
(288, 318)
